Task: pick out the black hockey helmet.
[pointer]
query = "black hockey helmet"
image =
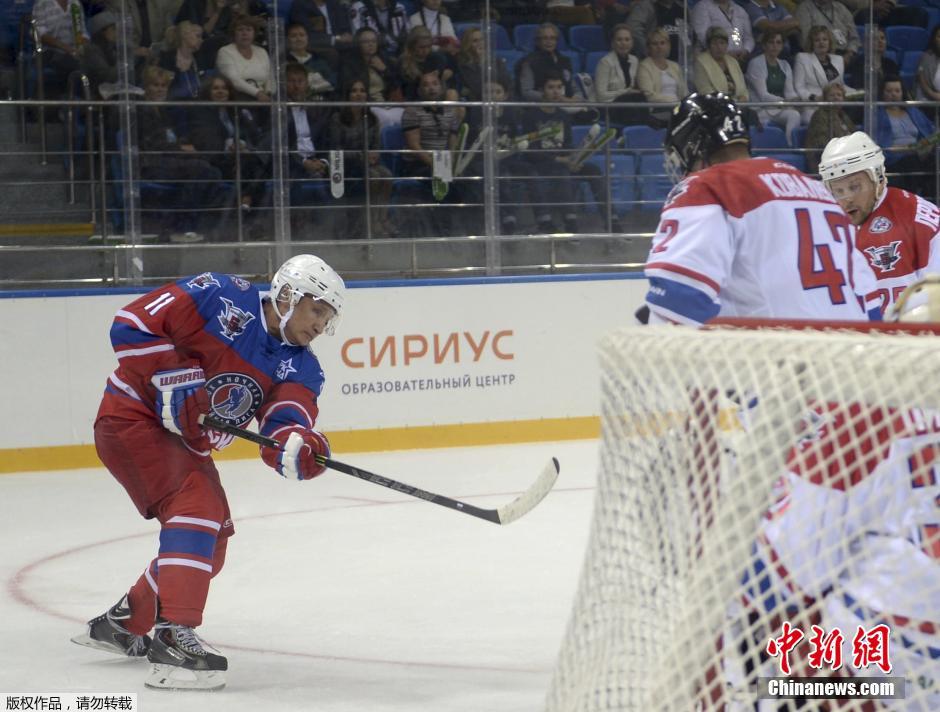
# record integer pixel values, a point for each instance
(701, 124)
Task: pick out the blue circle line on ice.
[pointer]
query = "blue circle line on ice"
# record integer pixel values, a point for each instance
(17, 586)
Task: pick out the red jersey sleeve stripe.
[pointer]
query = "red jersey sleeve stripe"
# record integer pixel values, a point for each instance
(685, 272)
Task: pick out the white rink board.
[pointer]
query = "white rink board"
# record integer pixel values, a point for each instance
(525, 350)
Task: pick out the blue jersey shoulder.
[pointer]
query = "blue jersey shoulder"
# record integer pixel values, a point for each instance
(298, 365)
(227, 303)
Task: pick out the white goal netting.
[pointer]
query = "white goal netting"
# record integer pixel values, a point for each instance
(767, 512)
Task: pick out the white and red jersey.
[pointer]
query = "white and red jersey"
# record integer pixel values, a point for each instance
(755, 238)
(899, 240)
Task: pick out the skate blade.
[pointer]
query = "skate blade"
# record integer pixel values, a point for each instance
(174, 677)
(87, 641)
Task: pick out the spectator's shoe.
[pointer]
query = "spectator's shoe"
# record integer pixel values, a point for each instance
(545, 226)
(509, 225)
(181, 660)
(571, 223)
(106, 632)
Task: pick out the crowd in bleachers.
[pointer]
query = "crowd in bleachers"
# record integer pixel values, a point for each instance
(555, 53)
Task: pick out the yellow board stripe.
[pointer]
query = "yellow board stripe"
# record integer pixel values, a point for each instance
(71, 457)
(67, 229)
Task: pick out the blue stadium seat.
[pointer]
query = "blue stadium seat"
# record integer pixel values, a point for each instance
(623, 195)
(653, 182)
(523, 36)
(910, 62)
(799, 137)
(575, 58)
(587, 38)
(279, 8)
(794, 158)
(591, 59)
(643, 137)
(772, 137)
(392, 141)
(906, 37)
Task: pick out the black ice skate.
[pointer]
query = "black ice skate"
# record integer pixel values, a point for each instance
(181, 660)
(106, 632)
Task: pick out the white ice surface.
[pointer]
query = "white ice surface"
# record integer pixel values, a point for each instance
(337, 595)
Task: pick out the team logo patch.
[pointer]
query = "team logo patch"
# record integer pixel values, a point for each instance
(203, 281)
(885, 257)
(233, 319)
(679, 189)
(881, 224)
(234, 397)
(242, 284)
(284, 369)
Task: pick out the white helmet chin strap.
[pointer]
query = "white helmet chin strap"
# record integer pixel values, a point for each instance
(284, 318)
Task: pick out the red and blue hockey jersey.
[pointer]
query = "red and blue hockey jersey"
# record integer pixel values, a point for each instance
(215, 321)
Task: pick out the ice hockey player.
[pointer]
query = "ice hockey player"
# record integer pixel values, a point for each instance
(897, 230)
(742, 236)
(209, 344)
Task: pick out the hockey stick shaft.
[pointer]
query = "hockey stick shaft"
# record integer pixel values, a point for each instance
(503, 515)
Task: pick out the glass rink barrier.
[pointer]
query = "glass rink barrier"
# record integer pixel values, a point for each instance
(496, 139)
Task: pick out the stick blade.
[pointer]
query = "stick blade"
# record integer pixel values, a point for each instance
(536, 492)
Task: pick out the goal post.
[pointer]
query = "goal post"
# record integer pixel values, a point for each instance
(756, 483)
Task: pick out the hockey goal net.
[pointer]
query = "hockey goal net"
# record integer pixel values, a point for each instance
(767, 515)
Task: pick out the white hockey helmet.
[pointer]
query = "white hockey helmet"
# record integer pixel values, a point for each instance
(919, 303)
(850, 154)
(307, 275)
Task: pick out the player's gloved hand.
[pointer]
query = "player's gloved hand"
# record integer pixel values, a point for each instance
(297, 460)
(181, 399)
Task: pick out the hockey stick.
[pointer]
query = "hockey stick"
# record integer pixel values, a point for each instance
(503, 515)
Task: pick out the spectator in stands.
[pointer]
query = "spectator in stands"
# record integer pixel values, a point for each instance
(615, 79)
(427, 129)
(431, 17)
(245, 64)
(305, 128)
(378, 72)
(327, 24)
(150, 20)
(770, 78)
(62, 40)
(836, 17)
(99, 60)
(320, 75)
(648, 15)
(816, 68)
(905, 133)
(306, 141)
(728, 16)
(855, 72)
(355, 131)
(716, 70)
(660, 79)
(553, 158)
(228, 137)
(215, 17)
(928, 71)
(570, 12)
(888, 12)
(182, 58)
(418, 58)
(828, 122)
(387, 18)
(166, 156)
(470, 66)
(769, 16)
(544, 59)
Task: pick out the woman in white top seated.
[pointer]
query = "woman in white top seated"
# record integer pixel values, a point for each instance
(815, 69)
(770, 78)
(658, 77)
(615, 77)
(245, 64)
